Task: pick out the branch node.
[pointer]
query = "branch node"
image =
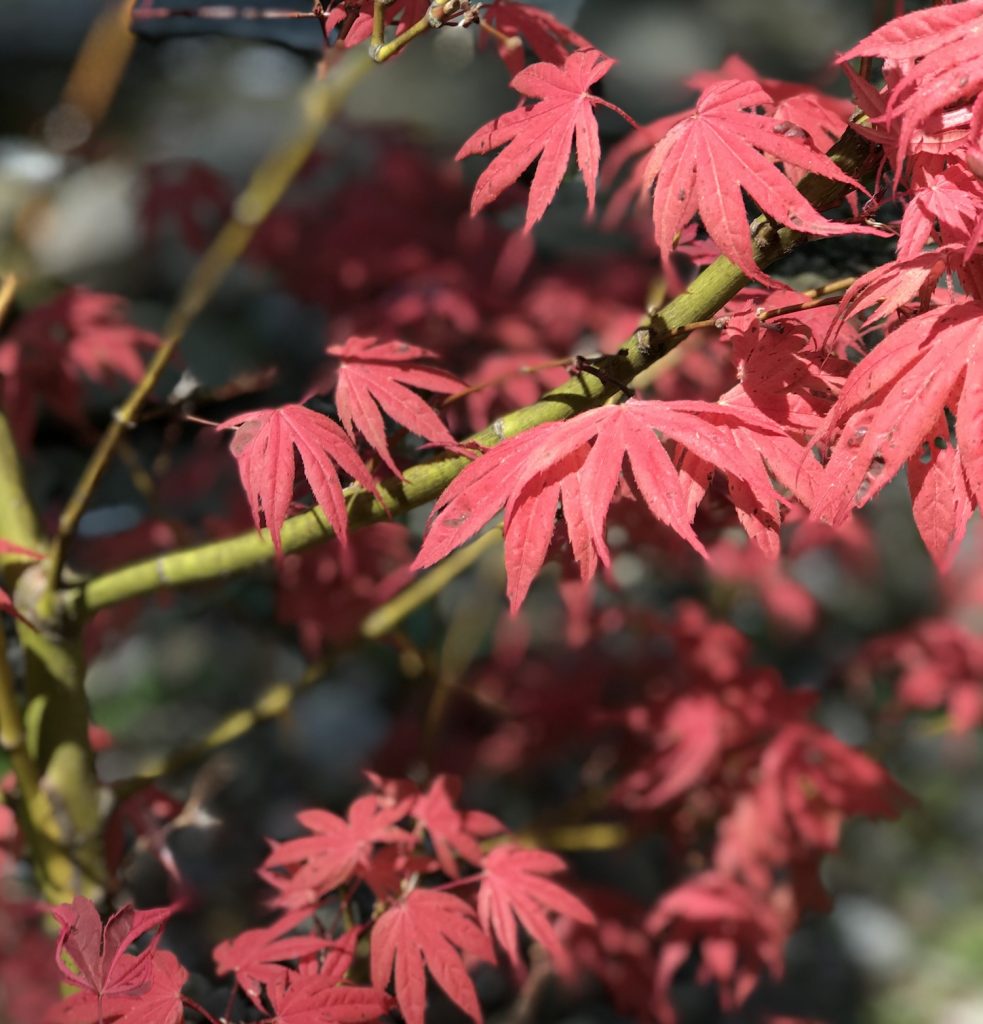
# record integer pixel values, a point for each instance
(119, 416)
(585, 365)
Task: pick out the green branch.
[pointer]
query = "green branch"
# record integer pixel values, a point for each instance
(46, 739)
(275, 701)
(708, 293)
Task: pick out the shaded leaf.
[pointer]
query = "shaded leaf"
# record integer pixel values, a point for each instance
(98, 951)
(256, 956)
(516, 886)
(428, 932)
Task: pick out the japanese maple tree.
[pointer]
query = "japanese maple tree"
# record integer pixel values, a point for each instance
(632, 433)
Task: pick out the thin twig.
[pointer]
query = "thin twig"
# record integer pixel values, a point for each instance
(221, 12)
(8, 289)
(318, 104)
(274, 702)
(387, 617)
(98, 69)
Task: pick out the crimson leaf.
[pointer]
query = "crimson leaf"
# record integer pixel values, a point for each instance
(160, 1004)
(547, 130)
(428, 931)
(311, 999)
(98, 952)
(702, 163)
(255, 955)
(515, 884)
(376, 377)
(894, 403)
(937, 58)
(579, 462)
(337, 849)
(263, 446)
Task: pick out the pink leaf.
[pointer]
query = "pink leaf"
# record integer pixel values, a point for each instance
(548, 130)
(264, 446)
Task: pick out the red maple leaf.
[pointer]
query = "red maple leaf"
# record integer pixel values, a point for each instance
(548, 130)
(941, 502)
(934, 68)
(337, 849)
(785, 371)
(893, 404)
(160, 1004)
(516, 885)
(952, 198)
(893, 285)
(678, 739)
(428, 931)
(542, 32)
(681, 747)
(256, 955)
(940, 664)
(98, 952)
(453, 832)
(810, 782)
(313, 999)
(80, 336)
(375, 377)
(823, 118)
(739, 937)
(579, 462)
(263, 447)
(702, 163)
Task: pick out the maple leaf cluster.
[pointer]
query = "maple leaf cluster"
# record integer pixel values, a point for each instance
(451, 889)
(396, 842)
(701, 744)
(785, 413)
(746, 136)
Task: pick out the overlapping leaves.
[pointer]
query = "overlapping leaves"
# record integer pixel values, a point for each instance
(578, 464)
(702, 164)
(893, 411)
(264, 445)
(934, 66)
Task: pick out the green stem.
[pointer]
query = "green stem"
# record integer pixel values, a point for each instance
(275, 701)
(48, 741)
(388, 616)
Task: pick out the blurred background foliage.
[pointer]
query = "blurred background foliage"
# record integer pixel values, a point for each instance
(905, 940)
